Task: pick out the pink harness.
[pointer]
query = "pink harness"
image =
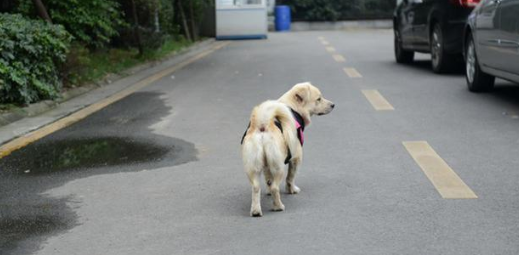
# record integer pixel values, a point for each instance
(300, 133)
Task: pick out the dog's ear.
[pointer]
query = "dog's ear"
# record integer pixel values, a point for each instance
(302, 94)
(299, 98)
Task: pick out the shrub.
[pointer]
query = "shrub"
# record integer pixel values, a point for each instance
(30, 52)
(93, 22)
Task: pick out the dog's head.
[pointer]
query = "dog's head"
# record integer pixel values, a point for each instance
(306, 99)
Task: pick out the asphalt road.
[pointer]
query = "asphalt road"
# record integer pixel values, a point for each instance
(160, 172)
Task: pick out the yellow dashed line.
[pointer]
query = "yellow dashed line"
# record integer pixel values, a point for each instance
(352, 72)
(33, 136)
(330, 49)
(324, 42)
(320, 38)
(339, 58)
(377, 100)
(446, 181)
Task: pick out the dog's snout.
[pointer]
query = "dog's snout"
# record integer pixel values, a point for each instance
(333, 106)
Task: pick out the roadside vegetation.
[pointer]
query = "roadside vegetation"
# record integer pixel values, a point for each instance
(47, 46)
(335, 10)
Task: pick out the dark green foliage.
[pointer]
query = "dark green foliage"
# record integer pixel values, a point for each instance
(165, 14)
(8, 5)
(195, 12)
(147, 11)
(93, 22)
(333, 10)
(30, 52)
(167, 18)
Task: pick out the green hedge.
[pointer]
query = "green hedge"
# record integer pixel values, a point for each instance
(30, 53)
(334, 10)
(93, 22)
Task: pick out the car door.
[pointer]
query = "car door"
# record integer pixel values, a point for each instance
(422, 8)
(487, 38)
(406, 18)
(508, 13)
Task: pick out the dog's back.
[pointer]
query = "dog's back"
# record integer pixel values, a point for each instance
(264, 144)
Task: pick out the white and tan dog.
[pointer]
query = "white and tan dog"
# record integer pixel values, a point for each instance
(275, 138)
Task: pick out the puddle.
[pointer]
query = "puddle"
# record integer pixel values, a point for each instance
(27, 216)
(30, 219)
(114, 140)
(76, 154)
(14, 230)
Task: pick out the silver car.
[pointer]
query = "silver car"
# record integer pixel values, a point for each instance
(492, 44)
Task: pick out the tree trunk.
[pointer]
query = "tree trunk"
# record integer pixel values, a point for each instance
(194, 29)
(136, 28)
(42, 11)
(184, 20)
(157, 22)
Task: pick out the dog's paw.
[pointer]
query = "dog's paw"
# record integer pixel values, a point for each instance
(256, 213)
(279, 208)
(293, 189)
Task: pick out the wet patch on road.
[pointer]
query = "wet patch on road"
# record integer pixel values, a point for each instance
(21, 222)
(81, 154)
(115, 139)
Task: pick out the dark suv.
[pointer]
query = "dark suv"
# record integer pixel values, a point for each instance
(431, 26)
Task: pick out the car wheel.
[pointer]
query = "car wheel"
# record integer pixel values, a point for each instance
(402, 56)
(477, 80)
(442, 62)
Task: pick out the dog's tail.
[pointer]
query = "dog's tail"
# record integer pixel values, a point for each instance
(264, 117)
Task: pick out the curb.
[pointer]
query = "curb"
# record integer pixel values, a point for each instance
(47, 105)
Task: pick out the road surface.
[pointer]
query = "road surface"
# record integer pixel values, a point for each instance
(409, 162)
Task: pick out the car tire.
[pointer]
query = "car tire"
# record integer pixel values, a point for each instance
(477, 80)
(442, 62)
(402, 56)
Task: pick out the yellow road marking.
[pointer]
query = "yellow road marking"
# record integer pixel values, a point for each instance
(33, 136)
(320, 38)
(377, 100)
(339, 58)
(324, 42)
(330, 49)
(352, 72)
(446, 181)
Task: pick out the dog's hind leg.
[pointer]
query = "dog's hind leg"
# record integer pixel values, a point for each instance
(277, 178)
(254, 178)
(268, 180)
(291, 187)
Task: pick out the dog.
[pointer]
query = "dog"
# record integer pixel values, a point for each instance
(275, 138)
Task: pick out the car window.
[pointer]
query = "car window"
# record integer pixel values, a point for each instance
(509, 16)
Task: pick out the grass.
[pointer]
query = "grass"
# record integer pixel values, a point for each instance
(7, 107)
(89, 66)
